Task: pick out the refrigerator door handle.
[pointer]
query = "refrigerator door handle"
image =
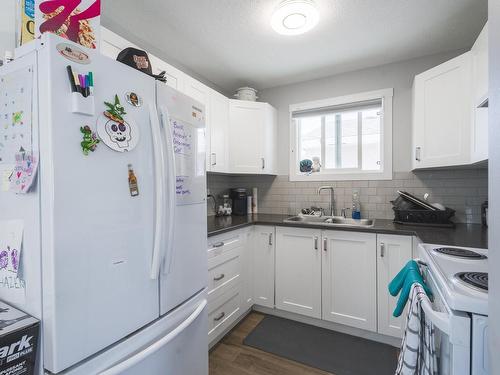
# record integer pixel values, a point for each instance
(150, 350)
(171, 185)
(159, 192)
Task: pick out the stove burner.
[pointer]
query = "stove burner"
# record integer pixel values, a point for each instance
(461, 253)
(478, 280)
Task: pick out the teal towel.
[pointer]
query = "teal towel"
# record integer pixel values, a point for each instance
(402, 282)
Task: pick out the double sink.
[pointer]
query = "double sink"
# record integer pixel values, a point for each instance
(330, 221)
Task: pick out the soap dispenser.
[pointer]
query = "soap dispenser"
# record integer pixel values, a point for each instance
(356, 205)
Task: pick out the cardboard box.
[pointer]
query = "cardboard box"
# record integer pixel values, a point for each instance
(26, 25)
(19, 335)
(76, 20)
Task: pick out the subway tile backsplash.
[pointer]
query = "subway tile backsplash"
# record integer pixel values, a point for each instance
(461, 190)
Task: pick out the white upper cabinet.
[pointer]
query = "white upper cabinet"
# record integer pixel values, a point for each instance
(349, 275)
(393, 253)
(298, 271)
(263, 266)
(174, 77)
(201, 93)
(442, 114)
(219, 133)
(479, 131)
(480, 67)
(252, 137)
(112, 44)
(448, 127)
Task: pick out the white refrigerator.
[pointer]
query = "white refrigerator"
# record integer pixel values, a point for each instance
(117, 278)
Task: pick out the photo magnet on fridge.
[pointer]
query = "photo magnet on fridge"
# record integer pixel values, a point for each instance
(133, 99)
(118, 133)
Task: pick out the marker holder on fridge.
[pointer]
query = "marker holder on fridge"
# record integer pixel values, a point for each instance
(82, 105)
(82, 92)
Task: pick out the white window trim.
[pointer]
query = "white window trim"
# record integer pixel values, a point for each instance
(386, 144)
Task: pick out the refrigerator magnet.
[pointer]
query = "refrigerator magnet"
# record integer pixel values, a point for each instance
(132, 182)
(133, 99)
(118, 133)
(73, 53)
(90, 141)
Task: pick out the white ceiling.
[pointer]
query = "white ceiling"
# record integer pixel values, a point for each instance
(231, 43)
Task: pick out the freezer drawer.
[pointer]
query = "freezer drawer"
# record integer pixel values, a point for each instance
(175, 344)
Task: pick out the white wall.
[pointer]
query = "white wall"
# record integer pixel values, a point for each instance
(397, 75)
(7, 27)
(494, 184)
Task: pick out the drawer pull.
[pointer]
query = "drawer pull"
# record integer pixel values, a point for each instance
(221, 315)
(218, 244)
(220, 277)
(316, 243)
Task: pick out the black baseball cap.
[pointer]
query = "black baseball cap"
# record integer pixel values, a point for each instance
(139, 59)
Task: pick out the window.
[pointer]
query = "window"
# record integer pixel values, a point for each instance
(345, 138)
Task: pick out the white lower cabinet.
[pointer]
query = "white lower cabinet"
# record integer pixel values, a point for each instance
(222, 312)
(298, 271)
(349, 279)
(247, 271)
(333, 275)
(263, 265)
(393, 253)
(226, 254)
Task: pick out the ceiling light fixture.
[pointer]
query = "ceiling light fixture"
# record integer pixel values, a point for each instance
(294, 17)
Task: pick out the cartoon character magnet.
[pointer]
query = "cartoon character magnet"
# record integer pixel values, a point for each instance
(118, 133)
(90, 141)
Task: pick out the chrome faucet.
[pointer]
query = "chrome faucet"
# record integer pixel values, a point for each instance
(332, 198)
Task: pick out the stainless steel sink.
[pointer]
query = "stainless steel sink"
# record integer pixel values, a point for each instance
(330, 221)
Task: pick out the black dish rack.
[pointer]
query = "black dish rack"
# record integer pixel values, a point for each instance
(408, 212)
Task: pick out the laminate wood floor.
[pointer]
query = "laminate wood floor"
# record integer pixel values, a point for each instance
(231, 357)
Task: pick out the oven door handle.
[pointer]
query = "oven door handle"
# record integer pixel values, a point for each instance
(439, 319)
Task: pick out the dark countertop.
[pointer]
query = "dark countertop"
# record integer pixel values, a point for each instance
(467, 235)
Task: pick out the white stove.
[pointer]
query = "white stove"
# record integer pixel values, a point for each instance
(458, 279)
(459, 273)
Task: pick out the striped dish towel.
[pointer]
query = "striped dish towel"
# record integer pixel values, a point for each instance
(418, 353)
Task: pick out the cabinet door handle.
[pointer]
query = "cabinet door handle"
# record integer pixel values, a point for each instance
(325, 244)
(382, 249)
(220, 277)
(316, 243)
(218, 244)
(270, 239)
(263, 163)
(221, 315)
(417, 153)
(214, 158)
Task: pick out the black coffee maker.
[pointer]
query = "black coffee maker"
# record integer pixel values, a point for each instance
(240, 205)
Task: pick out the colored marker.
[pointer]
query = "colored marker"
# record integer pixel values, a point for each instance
(71, 78)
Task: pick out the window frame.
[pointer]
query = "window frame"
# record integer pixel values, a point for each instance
(385, 173)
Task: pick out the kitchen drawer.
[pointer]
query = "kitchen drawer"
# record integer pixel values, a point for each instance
(222, 312)
(224, 272)
(222, 243)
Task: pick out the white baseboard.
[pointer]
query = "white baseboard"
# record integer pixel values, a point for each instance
(393, 341)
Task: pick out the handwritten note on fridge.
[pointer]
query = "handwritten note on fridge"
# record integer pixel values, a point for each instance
(189, 149)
